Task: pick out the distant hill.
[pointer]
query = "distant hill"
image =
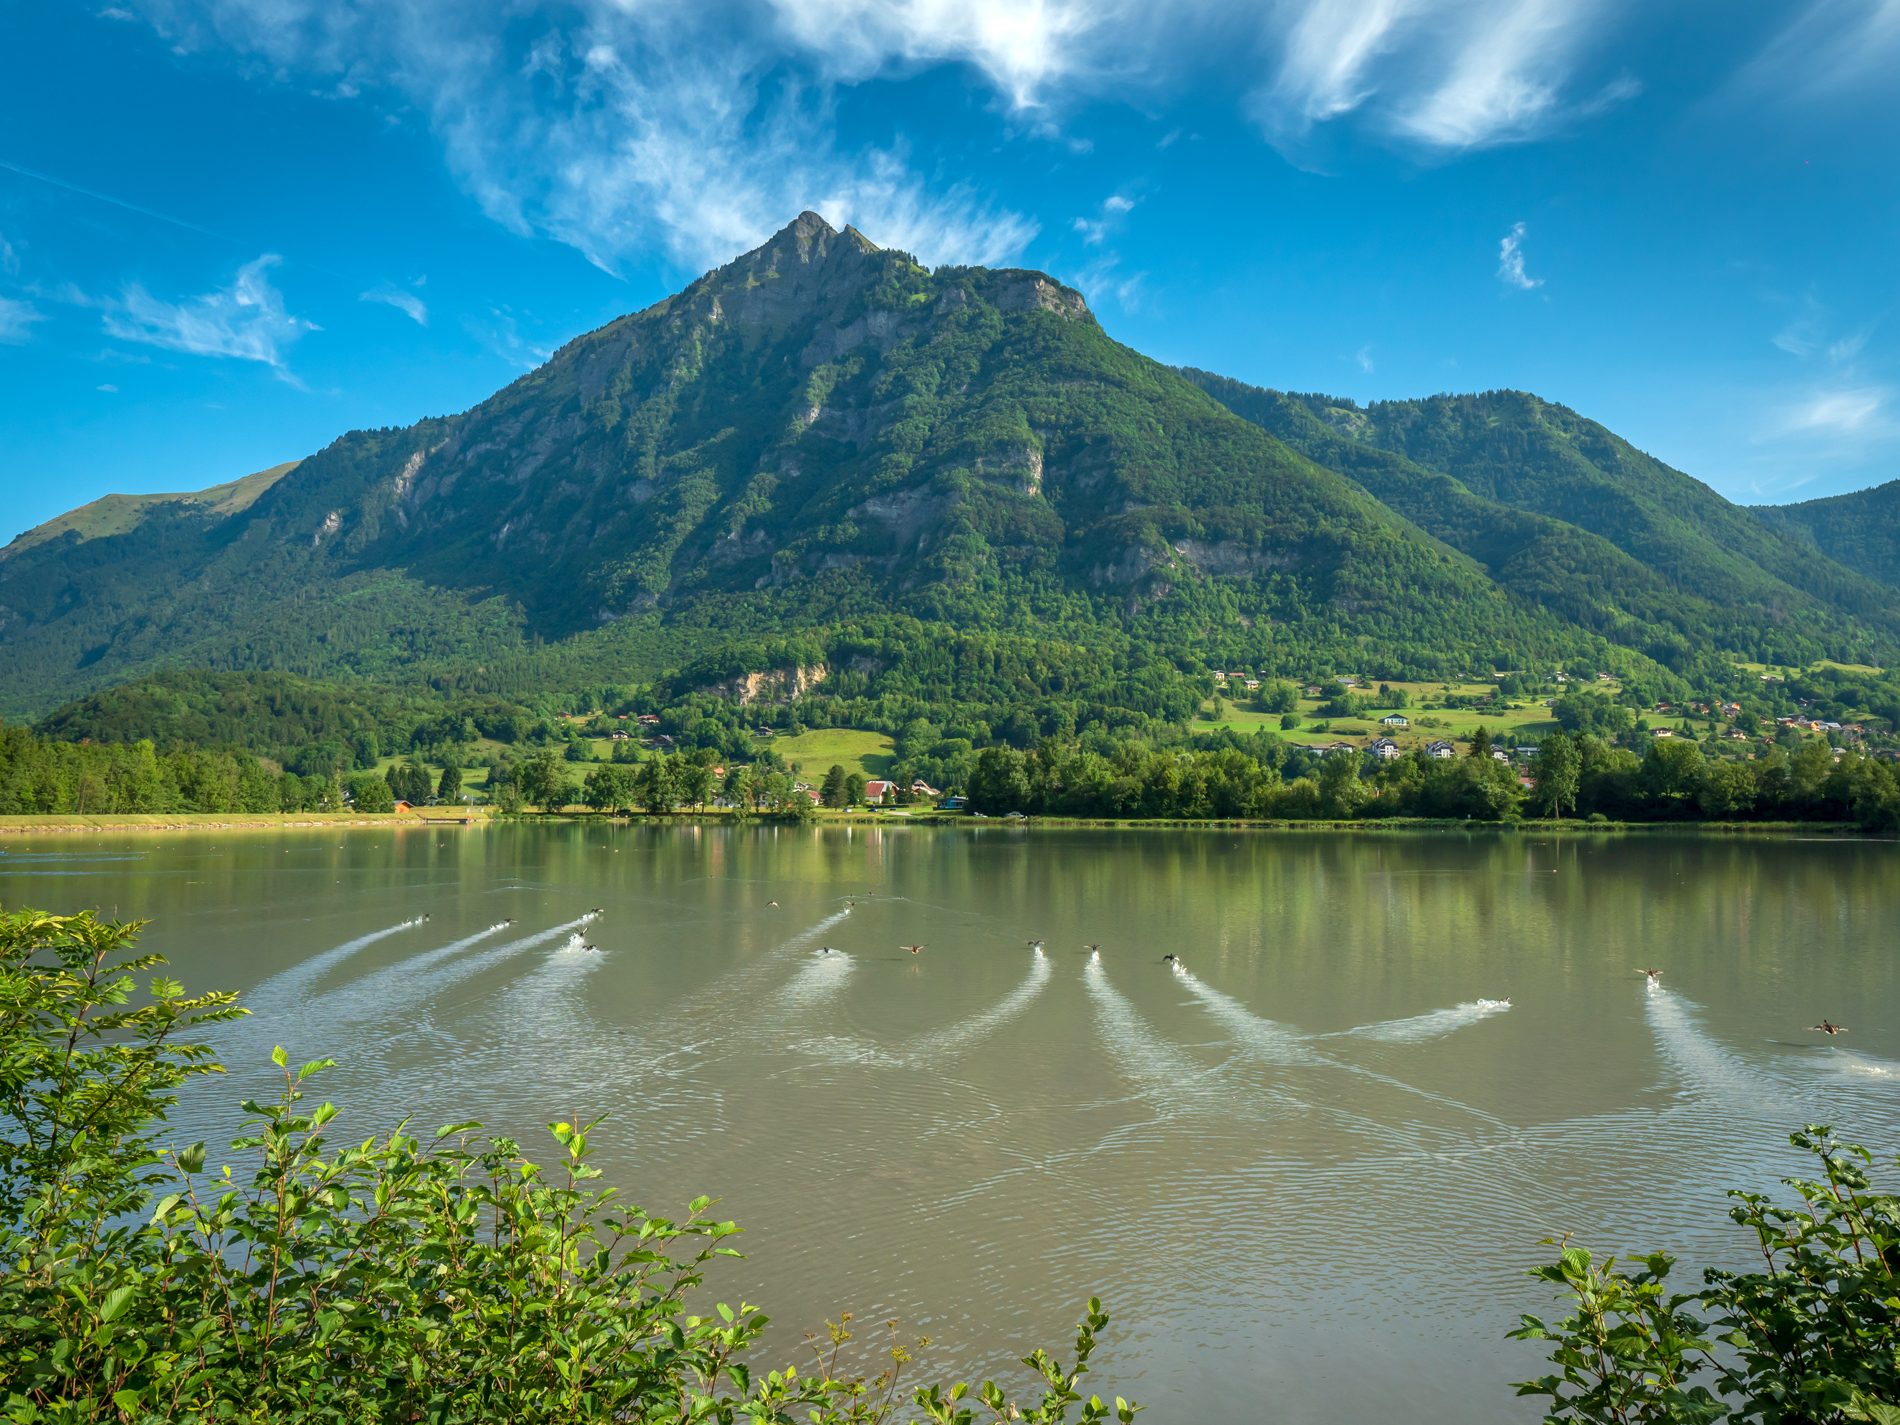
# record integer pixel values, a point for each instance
(1566, 513)
(1860, 530)
(946, 487)
(119, 514)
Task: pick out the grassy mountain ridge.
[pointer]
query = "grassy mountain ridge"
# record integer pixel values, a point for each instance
(1860, 530)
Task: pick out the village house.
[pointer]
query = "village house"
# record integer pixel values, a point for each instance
(1441, 751)
(1252, 685)
(1385, 749)
(1662, 732)
(876, 791)
(1498, 754)
(920, 788)
(1395, 720)
(649, 719)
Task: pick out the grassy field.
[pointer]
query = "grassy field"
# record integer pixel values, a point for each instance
(816, 751)
(1428, 724)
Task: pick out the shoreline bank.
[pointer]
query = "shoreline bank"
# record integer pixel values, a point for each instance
(75, 825)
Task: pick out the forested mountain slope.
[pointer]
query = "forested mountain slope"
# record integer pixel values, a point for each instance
(1561, 511)
(1860, 530)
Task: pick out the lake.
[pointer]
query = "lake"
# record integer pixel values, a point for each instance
(1306, 1171)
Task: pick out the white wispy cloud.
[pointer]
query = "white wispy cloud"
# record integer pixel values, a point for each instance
(9, 258)
(404, 301)
(1363, 359)
(1096, 229)
(245, 321)
(108, 388)
(620, 128)
(1511, 261)
(1831, 51)
(1846, 411)
(17, 319)
(1442, 74)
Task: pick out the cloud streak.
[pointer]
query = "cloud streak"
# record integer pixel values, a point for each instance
(17, 320)
(1511, 261)
(408, 303)
(245, 321)
(1437, 74)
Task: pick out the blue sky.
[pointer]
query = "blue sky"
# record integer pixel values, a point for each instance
(232, 229)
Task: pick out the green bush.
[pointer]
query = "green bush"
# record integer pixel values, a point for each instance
(1812, 1336)
(437, 1277)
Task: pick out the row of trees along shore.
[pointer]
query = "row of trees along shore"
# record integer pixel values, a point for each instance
(1216, 776)
(451, 1278)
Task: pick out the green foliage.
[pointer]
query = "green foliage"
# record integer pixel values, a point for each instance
(1811, 1336)
(442, 1277)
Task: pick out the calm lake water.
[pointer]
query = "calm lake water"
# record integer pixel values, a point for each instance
(1306, 1174)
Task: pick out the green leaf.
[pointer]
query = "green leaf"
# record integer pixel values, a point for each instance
(279, 1057)
(117, 1300)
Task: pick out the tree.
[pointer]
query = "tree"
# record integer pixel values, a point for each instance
(854, 789)
(1340, 791)
(654, 786)
(542, 780)
(832, 790)
(1557, 772)
(608, 788)
(370, 793)
(1277, 696)
(448, 788)
(695, 784)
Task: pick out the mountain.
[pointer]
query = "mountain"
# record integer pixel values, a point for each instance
(1860, 530)
(819, 432)
(933, 489)
(1566, 513)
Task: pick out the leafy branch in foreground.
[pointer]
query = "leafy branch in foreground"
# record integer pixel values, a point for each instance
(1811, 1337)
(442, 1278)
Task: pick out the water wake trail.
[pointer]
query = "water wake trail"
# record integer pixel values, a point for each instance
(360, 999)
(1418, 1028)
(1707, 1067)
(1863, 1068)
(282, 985)
(981, 1025)
(1263, 1038)
(433, 982)
(1278, 1044)
(819, 979)
(1169, 1078)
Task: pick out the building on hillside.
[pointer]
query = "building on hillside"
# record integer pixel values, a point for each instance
(1662, 732)
(1395, 720)
(1441, 751)
(953, 804)
(649, 719)
(920, 788)
(877, 790)
(1385, 749)
(1498, 754)
(1252, 685)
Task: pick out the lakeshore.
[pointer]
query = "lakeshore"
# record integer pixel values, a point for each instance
(65, 824)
